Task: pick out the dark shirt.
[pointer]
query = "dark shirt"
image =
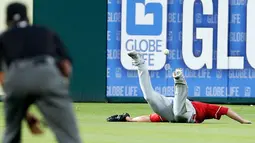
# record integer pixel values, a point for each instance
(28, 42)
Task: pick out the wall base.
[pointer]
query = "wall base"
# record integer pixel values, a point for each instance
(201, 99)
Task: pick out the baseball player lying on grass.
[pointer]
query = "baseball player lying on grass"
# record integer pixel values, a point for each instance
(173, 109)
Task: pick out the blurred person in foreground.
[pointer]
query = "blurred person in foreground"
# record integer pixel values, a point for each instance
(37, 72)
(177, 109)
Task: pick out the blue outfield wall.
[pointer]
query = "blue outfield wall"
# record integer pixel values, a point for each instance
(218, 65)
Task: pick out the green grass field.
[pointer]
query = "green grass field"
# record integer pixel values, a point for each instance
(95, 129)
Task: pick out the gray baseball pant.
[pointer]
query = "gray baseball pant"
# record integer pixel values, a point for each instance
(159, 104)
(27, 82)
(183, 108)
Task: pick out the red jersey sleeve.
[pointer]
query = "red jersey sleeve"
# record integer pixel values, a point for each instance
(218, 111)
(156, 118)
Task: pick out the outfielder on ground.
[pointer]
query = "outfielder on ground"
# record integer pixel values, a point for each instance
(173, 109)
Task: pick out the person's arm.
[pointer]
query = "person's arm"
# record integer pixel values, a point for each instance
(125, 117)
(1, 60)
(61, 49)
(233, 115)
(64, 60)
(218, 111)
(145, 118)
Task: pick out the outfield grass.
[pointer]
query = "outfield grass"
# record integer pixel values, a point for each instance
(95, 129)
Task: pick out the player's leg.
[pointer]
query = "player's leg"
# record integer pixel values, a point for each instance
(59, 115)
(56, 105)
(183, 109)
(159, 103)
(15, 107)
(144, 77)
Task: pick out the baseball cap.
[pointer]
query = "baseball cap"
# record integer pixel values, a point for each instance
(16, 12)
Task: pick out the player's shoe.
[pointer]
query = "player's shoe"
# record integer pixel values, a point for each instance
(177, 73)
(178, 76)
(137, 58)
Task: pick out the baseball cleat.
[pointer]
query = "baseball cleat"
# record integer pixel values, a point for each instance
(137, 58)
(177, 73)
(133, 55)
(178, 77)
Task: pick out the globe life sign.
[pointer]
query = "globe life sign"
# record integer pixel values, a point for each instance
(224, 61)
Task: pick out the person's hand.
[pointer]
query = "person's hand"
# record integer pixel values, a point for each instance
(65, 67)
(246, 122)
(1, 78)
(34, 124)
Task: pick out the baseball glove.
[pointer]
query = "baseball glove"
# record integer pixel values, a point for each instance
(118, 118)
(33, 124)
